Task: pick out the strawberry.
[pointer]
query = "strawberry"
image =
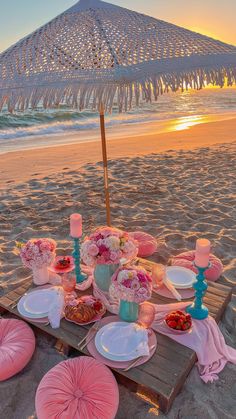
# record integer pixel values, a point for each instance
(97, 306)
(172, 324)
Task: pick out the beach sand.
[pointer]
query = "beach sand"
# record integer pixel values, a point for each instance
(177, 186)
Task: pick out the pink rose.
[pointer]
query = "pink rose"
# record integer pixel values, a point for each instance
(93, 250)
(102, 249)
(127, 283)
(113, 256)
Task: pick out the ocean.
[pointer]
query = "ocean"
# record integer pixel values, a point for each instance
(41, 128)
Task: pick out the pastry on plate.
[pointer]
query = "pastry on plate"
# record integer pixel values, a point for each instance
(80, 313)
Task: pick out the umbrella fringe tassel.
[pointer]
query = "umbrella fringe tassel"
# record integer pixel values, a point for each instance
(122, 95)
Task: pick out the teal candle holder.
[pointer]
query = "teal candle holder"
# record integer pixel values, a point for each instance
(80, 277)
(197, 310)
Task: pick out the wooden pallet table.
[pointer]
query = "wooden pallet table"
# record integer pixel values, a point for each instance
(163, 376)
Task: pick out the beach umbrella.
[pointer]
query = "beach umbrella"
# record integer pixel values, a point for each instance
(98, 55)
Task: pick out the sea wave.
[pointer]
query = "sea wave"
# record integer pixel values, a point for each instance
(65, 120)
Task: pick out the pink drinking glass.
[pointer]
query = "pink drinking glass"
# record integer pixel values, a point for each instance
(146, 315)
(158, 274)
(68, 282)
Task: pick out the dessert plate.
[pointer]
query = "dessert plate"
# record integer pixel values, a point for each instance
(114, 343)
(181, 278)
(152, 343)
(36, 304)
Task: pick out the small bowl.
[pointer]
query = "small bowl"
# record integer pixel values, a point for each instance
(177, 330)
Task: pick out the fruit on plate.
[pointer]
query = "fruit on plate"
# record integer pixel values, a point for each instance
(179, 320)
(63, 263)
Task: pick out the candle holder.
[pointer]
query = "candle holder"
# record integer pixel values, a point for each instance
(80, 277)
(197, 310)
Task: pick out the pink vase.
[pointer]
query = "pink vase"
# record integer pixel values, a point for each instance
(41, 276)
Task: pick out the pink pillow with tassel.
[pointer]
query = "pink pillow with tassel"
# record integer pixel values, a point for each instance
(17, 344)
(186, 260)
(79, 388)
(147, 244)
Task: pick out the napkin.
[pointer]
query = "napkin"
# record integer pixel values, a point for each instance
(132, 335)
(56, 309)
(159, 278)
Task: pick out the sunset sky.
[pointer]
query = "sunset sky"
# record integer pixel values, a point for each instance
(211, 17)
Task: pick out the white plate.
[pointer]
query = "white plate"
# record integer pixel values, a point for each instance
(181, 278)
(36, 304)
(122, 352)
(24, 313)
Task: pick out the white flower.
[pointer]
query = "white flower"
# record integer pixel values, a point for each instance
(113, 243)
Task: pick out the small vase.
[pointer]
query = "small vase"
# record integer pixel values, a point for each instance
(128, 311)
(103, 274)
(41, 276)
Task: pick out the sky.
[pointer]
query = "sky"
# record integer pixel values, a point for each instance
(215, 18)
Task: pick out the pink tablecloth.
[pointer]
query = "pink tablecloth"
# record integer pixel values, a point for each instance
(205, 338)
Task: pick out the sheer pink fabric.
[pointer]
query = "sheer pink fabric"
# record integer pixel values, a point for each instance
(79, 388)
(186, 260)
(17, 344)
(147, 244)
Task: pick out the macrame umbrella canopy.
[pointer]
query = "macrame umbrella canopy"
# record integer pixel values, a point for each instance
(96, 55)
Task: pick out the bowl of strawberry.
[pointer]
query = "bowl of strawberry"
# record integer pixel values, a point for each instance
(179, 321)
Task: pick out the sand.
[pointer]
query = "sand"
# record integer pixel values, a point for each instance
(177, 186)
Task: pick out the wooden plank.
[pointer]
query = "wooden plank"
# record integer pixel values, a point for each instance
(165, 373)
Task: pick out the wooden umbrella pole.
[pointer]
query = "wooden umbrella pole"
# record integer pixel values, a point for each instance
(104, 155)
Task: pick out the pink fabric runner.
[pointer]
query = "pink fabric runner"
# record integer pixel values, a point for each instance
(205, 337)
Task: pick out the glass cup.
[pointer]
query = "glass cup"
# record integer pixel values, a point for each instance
(68, 282)
(146, 315)
(158, 274)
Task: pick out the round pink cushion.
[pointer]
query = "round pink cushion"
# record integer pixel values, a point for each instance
(17, 344)
(147, 244)
(186, 260)
(79, 388)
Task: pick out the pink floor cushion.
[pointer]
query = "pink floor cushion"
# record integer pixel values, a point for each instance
(79, 388)
(147, 244)
(186, 260)
(17, 344)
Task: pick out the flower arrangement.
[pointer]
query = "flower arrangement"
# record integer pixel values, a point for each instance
(108, 245)
(132, 284)
(37, 253)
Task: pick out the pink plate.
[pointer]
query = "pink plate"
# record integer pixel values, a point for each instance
(62, 271)
(96, 318)
(164, 292)
(114, 364)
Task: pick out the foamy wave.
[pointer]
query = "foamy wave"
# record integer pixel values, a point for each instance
(69, 126)
(65, 121)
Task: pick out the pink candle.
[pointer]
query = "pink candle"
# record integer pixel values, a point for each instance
(202, 254)
(76, 226)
